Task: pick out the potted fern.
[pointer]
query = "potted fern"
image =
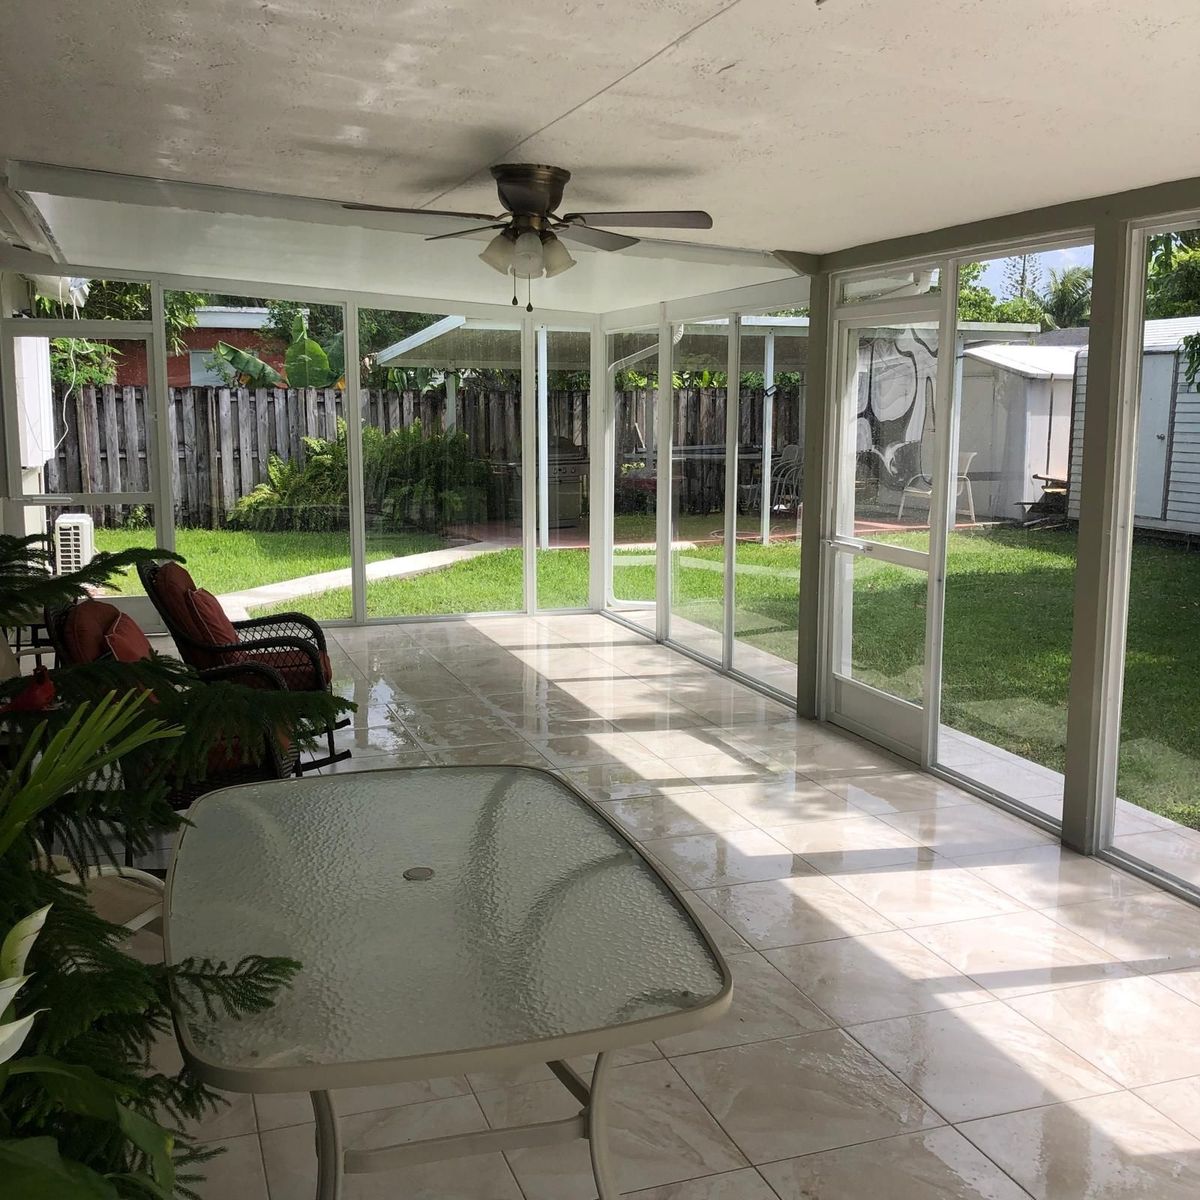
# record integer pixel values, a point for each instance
(82, 1112)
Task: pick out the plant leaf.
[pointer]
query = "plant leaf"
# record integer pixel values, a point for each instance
(307, 364)
(34, 1170)
(9, 988)
(13, 1035)
(18, 942)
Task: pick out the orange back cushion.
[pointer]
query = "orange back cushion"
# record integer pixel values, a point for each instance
(84, 630)
(126, 641)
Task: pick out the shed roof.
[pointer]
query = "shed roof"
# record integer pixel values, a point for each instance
(1032, 362)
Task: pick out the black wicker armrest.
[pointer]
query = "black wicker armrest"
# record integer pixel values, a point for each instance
(289, 624)
(250, 674)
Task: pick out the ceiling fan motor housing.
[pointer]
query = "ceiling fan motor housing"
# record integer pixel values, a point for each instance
(530, 189)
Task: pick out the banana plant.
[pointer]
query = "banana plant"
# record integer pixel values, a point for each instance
(306, 362)
(34, 1167)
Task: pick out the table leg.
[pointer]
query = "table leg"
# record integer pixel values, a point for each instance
(329, 1147)
(597, 1121)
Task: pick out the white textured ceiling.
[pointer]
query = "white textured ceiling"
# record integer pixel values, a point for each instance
(797, 126)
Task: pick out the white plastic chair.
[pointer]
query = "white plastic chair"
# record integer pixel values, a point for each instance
(922, 485)
(121, 895)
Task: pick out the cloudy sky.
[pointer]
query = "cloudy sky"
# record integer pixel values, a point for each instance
(993, 275)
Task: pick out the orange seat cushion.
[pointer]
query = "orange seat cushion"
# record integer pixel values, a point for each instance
(215, 627)
(126, 641)
(84, 630)
(296, 668)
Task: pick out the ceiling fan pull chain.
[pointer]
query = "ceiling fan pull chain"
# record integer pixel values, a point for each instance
(514, 275)
(529, 293)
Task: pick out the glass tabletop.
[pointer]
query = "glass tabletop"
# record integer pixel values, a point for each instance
(434, 910)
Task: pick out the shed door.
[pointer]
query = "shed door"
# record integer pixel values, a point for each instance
(1154, 421)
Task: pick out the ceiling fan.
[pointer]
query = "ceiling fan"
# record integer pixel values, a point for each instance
(528, 245)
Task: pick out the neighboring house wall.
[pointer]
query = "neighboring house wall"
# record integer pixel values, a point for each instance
(188, 369)
(1167, 482)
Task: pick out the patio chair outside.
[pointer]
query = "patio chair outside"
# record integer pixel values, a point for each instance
(922, 486)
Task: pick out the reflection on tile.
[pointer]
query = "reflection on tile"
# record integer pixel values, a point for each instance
(291, 1159)
(802, 1094)
(765, 1005)
(784, 798)
(581, 750)
(1046, 876)
(907, 791)
(876, 976)
(681, 813)
(1151, 932)
(295, 1108)
(717, 860)
(733, 1185)
(788, 912)
(378, 762)
(362, 742)
(623, 781)
(1020, 953)
(659, 1133)
(938, 1164)
(1179, 1100)
(967, 829)
(857, 842)
(727, 940)
(236, 1171)
(925, 893)
(979, 1060)
(513, 753)
(1107, 1148)
(1135, 1030)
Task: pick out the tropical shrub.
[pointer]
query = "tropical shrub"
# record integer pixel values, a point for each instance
(412, 479)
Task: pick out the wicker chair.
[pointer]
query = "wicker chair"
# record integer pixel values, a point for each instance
(291, 645)
(84, 632)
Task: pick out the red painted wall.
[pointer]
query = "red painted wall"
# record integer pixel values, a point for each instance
(131, 366)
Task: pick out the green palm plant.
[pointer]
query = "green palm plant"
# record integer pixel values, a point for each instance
(1067, 299)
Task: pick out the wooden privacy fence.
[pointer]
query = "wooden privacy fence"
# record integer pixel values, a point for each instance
(223, 438)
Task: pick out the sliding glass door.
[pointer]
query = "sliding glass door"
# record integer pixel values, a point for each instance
(885, 447)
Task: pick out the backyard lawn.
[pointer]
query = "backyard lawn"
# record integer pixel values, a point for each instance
(231, 560)
(1006, 658)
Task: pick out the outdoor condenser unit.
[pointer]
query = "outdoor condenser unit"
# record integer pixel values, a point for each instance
(74, 542)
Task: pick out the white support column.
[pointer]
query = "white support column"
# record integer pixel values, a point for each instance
(943, 501)
(158, 411)
(664, 413)
(1105, 530)
(529, 481)
(768, 429)
(353, 411)
(733, 375)
(450, 417)
(816, 514)
(543, 439)
(600, 471)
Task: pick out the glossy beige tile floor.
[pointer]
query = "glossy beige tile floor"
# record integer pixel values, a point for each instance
(933, 1000)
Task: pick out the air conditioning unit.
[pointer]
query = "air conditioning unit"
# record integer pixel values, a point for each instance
(74, 542)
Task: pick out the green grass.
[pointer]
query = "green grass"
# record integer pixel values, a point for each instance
(230, 560)
(1007, 645)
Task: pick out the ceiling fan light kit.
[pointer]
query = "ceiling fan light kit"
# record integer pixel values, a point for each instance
(528, 244)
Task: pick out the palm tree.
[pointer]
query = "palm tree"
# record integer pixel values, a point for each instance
(1068, 297)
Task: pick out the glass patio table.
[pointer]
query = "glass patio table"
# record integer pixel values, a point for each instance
(446, 919)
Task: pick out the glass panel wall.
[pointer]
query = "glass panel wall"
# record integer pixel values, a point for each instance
(700, 358)
(1011, 548)
(890, 428)
(632, 358)
(564, 385)
(441, 414)
(1157, 816)
(258, 467)
(770, 465)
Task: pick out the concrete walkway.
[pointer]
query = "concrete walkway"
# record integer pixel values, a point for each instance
(239, 604)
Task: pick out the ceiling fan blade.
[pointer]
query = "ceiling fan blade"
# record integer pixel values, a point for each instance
(598, 239)
(441, 237)
(421, 212)
(683, 219)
